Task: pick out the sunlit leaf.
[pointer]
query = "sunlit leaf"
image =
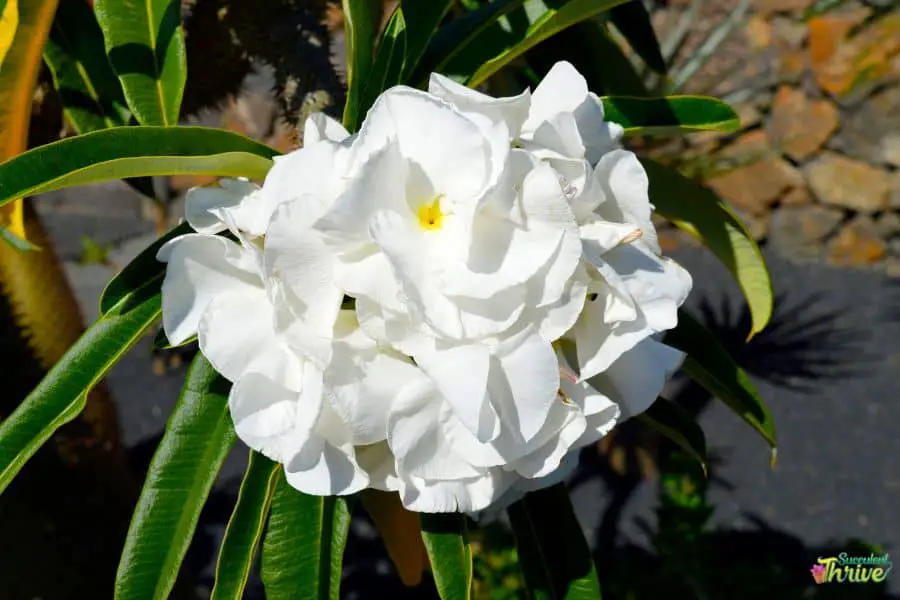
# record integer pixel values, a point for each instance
(145, 44)
(709, 364)
(359, 32)
(245, 528)
(473, 34)
(132, 152)
(9, 23)
(669, 115)
(304, 545)
(544, 23)
(389, 61)
(699, 211)
(88, 88)
(446, 539)
(196, 442)
(554, 555)
(23, 38)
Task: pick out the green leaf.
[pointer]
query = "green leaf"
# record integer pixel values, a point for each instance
(699, 211)
(304, 545)
(20, 244)
(245, 528)
(709, 364)
(544, 24)
(145, 46)
(132, 152)
(422, 20)
(475, 34)
(553, 553)
(88, 88)
(671, 114)
(679, 426)
(389, 61)
(633, 22)
(198, 438)
(62, 393)
(143, 269)
(446, 540)
(359, 31)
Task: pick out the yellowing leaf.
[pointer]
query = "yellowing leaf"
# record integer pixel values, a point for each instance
(23, 31)
(9, 22)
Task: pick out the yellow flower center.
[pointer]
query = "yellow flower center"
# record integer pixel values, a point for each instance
(430, 215)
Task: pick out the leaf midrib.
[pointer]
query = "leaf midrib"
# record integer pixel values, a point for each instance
(157, 70)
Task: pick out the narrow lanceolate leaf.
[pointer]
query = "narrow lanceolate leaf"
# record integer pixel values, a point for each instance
(709, 364)
(9, 23)
(143, 270)
(245, 528)
(633, 22)
(61, 395)
(675, 423)
(88, 88)
(389, 61)
(145, 45)
(552, 550)
(304, 545)
(701, 213)
(545, 22)
(133, 152)
(23, 33)
(198, 437)
(422, 20)
(671, 114)
(446, 540)
(359, 31)
(474, 34)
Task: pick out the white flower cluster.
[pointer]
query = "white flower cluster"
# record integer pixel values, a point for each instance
(506, 284)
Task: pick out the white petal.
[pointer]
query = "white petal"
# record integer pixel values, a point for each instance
(439, 141)
(637, 378)
(599, 237)
(270, 415)
(334, 470)
(316, 170)
(623, 182)
(461, 495)
(200, 268)
(460, 373)
(416, 265)
(562, 90)
(378, 186)
(560, 134)
(377, 461)
(204, 205)
(523, 382)
(302, 270)
(416, 439)
(599, 136)
(554, 320)
(512, 110)
(235, 329)
(657, 285)
(320, 126)
(599, 342)
(363, 381)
